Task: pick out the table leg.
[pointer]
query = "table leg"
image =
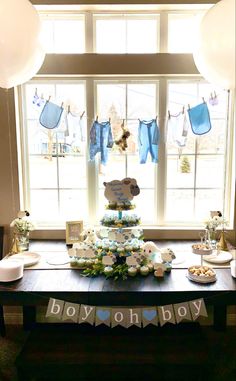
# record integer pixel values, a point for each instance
(220, 317)
(2, 322)
(29, 317)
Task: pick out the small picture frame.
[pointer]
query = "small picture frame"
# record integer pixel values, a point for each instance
(73, 231)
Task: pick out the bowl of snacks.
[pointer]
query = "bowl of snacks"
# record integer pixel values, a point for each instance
(201, 274)
(202, 249)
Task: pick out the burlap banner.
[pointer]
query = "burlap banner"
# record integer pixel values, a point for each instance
(126, 316)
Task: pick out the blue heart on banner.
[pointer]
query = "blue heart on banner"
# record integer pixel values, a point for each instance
(103, 314)
(149, 314)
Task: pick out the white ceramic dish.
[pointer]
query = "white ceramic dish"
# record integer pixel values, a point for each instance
(200, 251)
(201, 278)
(29, 258)
(221, 257)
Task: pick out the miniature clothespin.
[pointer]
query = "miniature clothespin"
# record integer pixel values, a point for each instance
(169, 116)
(68, 109)
(97, 118)
(183, 110)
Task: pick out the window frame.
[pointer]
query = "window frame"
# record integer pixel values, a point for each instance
(92, 167)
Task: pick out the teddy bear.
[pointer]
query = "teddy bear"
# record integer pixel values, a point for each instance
(122, 141)
(90, 236)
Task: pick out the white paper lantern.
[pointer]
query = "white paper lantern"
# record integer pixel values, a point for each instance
(21, 53)
(214, 54)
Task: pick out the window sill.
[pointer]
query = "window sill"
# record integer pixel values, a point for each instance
(150, 232)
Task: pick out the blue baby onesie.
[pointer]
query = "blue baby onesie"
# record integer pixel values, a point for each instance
(148, 140)
(100, 140)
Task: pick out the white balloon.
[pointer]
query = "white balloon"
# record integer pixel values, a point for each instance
(21, 52)
(214, 54)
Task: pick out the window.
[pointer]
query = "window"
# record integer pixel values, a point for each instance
(63, 33)
(127, 34)
(56, 158)
(129, 102)
(195, 174)
(186, 183)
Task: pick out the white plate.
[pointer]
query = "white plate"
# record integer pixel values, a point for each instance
(28, 257)
(222, 257)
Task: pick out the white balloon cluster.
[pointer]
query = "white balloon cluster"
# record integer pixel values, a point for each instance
(214, 54)
(21, 53)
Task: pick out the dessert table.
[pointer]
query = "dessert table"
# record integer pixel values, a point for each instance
(38, 285)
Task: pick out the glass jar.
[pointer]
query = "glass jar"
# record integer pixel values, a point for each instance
(211, 237)
(22, 241)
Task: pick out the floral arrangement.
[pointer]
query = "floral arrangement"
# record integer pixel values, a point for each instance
(116, 222)
(215, 221)
(22, 224)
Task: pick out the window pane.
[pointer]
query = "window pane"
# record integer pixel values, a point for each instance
(142, 101)
(207, 199)
(43, 172)
(135, 100)
(142, 36)
(180, 171)
(73, 205)
(111, 101)
(56, 157)
(114, 170)
(63, 34)
(127, 34)
(110, 36)
(143, 173)
(210, 171)
(44, 205)
(181, 33)
(200, 164)
(179, 205)
(145, 206)
(72, 172)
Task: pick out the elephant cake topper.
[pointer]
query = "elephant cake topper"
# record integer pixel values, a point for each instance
(121, 192)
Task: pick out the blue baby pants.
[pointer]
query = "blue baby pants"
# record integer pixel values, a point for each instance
(100, 140)
(148, 140)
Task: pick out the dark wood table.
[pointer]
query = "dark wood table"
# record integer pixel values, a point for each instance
(37, 286)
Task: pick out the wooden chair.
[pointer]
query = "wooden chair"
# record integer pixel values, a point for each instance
(2, 323)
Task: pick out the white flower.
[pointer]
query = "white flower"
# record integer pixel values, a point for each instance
(22, 225)
(214, 222)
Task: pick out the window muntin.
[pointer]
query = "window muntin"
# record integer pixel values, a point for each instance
(126, 34)
(56, 158)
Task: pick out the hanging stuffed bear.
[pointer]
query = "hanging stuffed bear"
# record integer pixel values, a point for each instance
(122, 141)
